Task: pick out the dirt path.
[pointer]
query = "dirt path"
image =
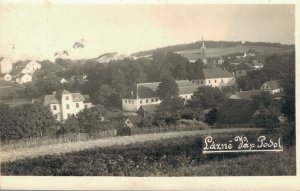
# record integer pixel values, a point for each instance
(13, 155)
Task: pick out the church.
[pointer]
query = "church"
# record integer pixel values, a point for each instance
(203, 52)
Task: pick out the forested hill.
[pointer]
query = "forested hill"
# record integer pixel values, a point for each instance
(209, 44)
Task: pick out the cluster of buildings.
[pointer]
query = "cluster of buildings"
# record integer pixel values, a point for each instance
(21, 73)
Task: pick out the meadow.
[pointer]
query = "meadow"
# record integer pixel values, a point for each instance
(180, 156)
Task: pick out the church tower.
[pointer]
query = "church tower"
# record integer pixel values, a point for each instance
(203, 52)
(203, 48)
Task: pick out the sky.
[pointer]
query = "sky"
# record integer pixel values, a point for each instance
(37, 31)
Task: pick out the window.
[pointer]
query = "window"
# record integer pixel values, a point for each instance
(209, 81)
(215, 81)
(198, 82)
(67, 97)
(201, 82)
(152, 100)
(85, 106)
(68, 106)
(125, 100)
(156, 99)
(54, 107)
(141, 101)
(77, 105)
(146, 100)
(222, 80)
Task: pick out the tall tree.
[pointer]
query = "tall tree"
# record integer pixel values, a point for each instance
(206, 97)
(168, 88)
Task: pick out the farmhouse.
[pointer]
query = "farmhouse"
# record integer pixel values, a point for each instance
(273, 87)
(23, 78)
(27, 67)
(64, 104)
(145, 94)
(5, 65)
(215, 77)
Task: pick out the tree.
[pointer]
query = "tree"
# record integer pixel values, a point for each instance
(244, 83)
(211, 116)
(168, 88)
(264, 98)
(106, 95)
(71, 125)
(288, 105)
(264, 118)
(169, 111)
(206, 97)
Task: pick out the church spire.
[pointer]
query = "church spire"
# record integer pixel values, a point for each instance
(203, 45)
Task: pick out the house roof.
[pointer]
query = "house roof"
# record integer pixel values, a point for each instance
(245, 94)
(150, 109)
(210, 73)
(148, 90)
(275, 84)
(55, 98)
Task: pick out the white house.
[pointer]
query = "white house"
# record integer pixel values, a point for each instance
(273, 87)
(5, 65)
(31, 67)
(7, 77)
(145, 94)
(257, 64)
(23, 78)
(64, 104)
(215, 77)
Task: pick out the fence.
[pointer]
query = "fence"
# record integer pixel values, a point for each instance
(166, 129)
(49, 140)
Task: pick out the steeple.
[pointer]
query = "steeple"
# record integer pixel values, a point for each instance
(203, 45)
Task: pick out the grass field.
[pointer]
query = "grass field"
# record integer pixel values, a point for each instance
(217, 52)
(177, 156)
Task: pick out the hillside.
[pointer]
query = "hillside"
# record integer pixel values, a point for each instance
(217, 48)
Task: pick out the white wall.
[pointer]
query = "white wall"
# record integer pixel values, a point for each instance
(215, 82)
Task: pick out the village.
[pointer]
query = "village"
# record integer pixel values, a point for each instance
(211, 92)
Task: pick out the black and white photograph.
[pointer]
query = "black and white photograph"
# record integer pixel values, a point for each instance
(116, 89)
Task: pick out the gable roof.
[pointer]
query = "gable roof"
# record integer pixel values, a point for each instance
(210, 73)
(55, 98)
(148, 90)
(275, 84)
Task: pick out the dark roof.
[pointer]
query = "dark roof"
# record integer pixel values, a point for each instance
(210, 73)
(55, 98)
(245, 94)
(148, 90)
(275, 84)
(108, 54)
(149, 109)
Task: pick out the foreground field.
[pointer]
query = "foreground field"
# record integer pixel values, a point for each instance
(11, 155)
(179, 156)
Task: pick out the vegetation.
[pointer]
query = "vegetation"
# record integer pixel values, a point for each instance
(28, 120)
(170, 157)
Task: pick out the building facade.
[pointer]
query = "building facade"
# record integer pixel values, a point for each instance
(272, 87)
(215, 77)
(64, 104)
(23, 78)
(145, 94)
